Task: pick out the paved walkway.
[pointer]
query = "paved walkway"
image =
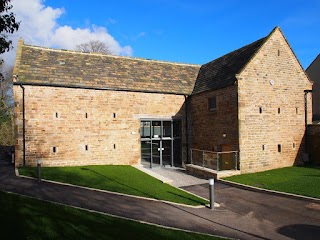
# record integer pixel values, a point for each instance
(243, 214)
(175, 176)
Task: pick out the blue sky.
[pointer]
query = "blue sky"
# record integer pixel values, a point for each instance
(189, 31)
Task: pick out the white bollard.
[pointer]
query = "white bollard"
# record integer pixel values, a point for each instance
(211, 189)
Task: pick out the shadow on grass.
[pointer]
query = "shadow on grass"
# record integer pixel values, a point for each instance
(142, 192)
(120, 183)
(310, 165)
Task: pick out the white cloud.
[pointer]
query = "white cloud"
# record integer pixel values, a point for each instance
(39, 27)
(67, 38)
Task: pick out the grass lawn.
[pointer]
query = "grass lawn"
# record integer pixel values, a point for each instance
(298, 180)
(121, 179)
(27, 218)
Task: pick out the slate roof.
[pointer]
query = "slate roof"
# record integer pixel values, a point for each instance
(221, 72)
(37, 65)
(315, 61)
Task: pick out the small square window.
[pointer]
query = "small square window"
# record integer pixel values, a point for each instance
(212, 103)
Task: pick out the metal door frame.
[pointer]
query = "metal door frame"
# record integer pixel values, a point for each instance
(151, 139)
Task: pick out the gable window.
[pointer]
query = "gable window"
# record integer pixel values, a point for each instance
(212, 103)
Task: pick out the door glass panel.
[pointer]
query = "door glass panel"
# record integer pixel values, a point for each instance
(177, 161)
(145, 130)
(156, 129)
(177, 128)
(166, 152)
(146, 153)
(156, 153)
(177, 148)
(167, 129)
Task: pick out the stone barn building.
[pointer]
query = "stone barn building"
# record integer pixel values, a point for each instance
(74, 108)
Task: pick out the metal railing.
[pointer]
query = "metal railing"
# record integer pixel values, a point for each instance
(218, 161)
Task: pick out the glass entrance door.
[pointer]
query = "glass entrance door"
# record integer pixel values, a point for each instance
(157, 143)
(166, 153)
(156, 153)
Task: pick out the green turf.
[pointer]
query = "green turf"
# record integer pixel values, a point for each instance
(298, 180)
(121, 179)
(27, 218)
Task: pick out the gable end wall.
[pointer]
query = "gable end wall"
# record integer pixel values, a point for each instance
(272, 80)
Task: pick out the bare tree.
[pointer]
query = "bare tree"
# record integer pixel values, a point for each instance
(93, 46)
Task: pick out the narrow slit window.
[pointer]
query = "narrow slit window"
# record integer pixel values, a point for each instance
(279, 148)
(297, 110)
(114, 115)
(279, 110)
(260, 109)
(263, 147)
(294, 145)
(54, 149)
(57, 115)
(114, 146)
(86, 115)
(278, 52)
(86, 147)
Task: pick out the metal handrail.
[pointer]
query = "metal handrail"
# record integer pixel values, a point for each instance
(212, 151)
(211, 160)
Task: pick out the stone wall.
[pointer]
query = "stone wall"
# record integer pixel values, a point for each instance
(313, 72)
(271, 108)
(213, 129)
(314, 143)
(68, 126)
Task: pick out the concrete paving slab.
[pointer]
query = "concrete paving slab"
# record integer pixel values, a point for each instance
(179, 176)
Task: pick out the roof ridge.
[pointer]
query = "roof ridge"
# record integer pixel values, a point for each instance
(110, 55)
(222, 71)
(230, 53)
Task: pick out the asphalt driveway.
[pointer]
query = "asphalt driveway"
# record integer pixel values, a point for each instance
(289, 217)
